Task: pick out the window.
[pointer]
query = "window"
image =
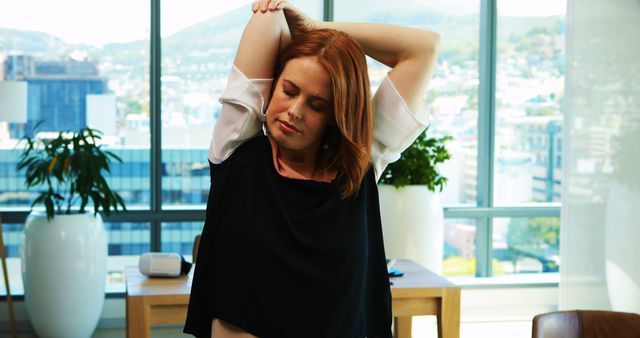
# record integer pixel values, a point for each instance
(81, 70)
(128, 239)
(526, 245)
(199, 42)
(459, 247)
(198, 46)
(452, 97)
(529, 92)
(503, 110)
(179, 237)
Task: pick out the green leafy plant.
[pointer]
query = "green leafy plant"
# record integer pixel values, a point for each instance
(70, 168)
(418, 164)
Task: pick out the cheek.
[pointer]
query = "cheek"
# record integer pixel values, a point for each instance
(272, 109)
(319, 123)
(276, 105)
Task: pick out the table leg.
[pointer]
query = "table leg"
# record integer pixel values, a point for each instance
(402, 327)
(138, 318)
(449, 316)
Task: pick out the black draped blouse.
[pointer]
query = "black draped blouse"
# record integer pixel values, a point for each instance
(288, 258)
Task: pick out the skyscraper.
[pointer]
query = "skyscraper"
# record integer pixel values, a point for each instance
(57, 91)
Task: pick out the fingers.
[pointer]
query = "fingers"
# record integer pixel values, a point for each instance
(275, 5)
(267, 5)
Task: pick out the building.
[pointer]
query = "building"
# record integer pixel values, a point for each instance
(185, 182)
(57, 91)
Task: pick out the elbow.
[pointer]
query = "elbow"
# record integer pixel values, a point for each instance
(424, 46)
(430, 47)
(431, 43)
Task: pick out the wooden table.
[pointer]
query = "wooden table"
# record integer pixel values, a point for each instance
(152, 301)
(421, 292)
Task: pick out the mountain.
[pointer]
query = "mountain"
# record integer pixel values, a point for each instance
(32, 42)
(217, 38)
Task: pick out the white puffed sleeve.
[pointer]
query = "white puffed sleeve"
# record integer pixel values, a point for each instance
(242, 114)
(395, 126)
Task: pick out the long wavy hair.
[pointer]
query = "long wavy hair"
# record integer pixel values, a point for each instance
(347, 142)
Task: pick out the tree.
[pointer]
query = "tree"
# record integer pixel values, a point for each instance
(537, 238)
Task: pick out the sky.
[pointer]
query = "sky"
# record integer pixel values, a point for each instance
(99, 22)
(532, 8)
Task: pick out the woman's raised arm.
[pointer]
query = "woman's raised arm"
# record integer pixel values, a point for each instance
(411, 52)
(265, 35)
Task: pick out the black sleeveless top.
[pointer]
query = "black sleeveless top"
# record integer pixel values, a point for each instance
(287, 258)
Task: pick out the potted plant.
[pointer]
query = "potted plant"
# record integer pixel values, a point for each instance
(412, 215)
(64, 246)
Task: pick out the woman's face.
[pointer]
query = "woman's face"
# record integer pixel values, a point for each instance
(301, 106)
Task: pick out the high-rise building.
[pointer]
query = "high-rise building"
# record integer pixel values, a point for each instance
(546, 143)
(57, 91)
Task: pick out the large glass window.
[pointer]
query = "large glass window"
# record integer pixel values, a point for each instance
(198, 47)
(81, 70)
(529, 94)
(452, 96)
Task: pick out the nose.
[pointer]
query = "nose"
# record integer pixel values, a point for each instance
(295, 109)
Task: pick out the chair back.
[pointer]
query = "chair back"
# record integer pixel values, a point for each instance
(196, 244)
(586, 324)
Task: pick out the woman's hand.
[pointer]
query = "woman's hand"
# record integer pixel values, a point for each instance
(298, 22)
(266, 5)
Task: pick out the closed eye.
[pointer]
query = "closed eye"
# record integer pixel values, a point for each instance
(318, 108)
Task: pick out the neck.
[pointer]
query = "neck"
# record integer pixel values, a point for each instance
(304, 157)
(303, 161)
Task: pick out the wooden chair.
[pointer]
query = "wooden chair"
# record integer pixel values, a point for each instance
(196, 244)
(3, 257)
(586, 324)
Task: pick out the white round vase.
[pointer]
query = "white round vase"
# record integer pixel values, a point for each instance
(621, 238)
(64, 267)
(413, 224)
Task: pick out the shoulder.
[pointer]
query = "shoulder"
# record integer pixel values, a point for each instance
(396, 125)
(388, 101)
(252, 147)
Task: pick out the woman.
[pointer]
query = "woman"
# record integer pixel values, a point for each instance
(292, 244)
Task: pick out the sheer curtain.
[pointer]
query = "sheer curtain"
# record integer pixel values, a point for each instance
(600, 232)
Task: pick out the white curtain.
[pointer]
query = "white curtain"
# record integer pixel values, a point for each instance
(600, 231)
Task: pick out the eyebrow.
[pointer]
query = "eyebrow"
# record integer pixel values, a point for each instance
(314, 96)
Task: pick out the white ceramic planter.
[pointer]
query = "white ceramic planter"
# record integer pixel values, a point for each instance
(64, 266)
(622, 235)
(413, 224)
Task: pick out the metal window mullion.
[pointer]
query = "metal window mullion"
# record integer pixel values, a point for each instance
(506, 211)
(155, 123)
(486, 133)
(327, 14)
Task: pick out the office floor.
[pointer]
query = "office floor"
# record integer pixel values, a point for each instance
(423, 327)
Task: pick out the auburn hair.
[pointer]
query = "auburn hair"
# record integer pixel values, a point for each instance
(349, 140)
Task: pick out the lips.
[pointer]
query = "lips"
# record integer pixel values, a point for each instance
(288, 128)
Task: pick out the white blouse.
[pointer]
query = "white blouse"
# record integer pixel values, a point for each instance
(244, 111)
